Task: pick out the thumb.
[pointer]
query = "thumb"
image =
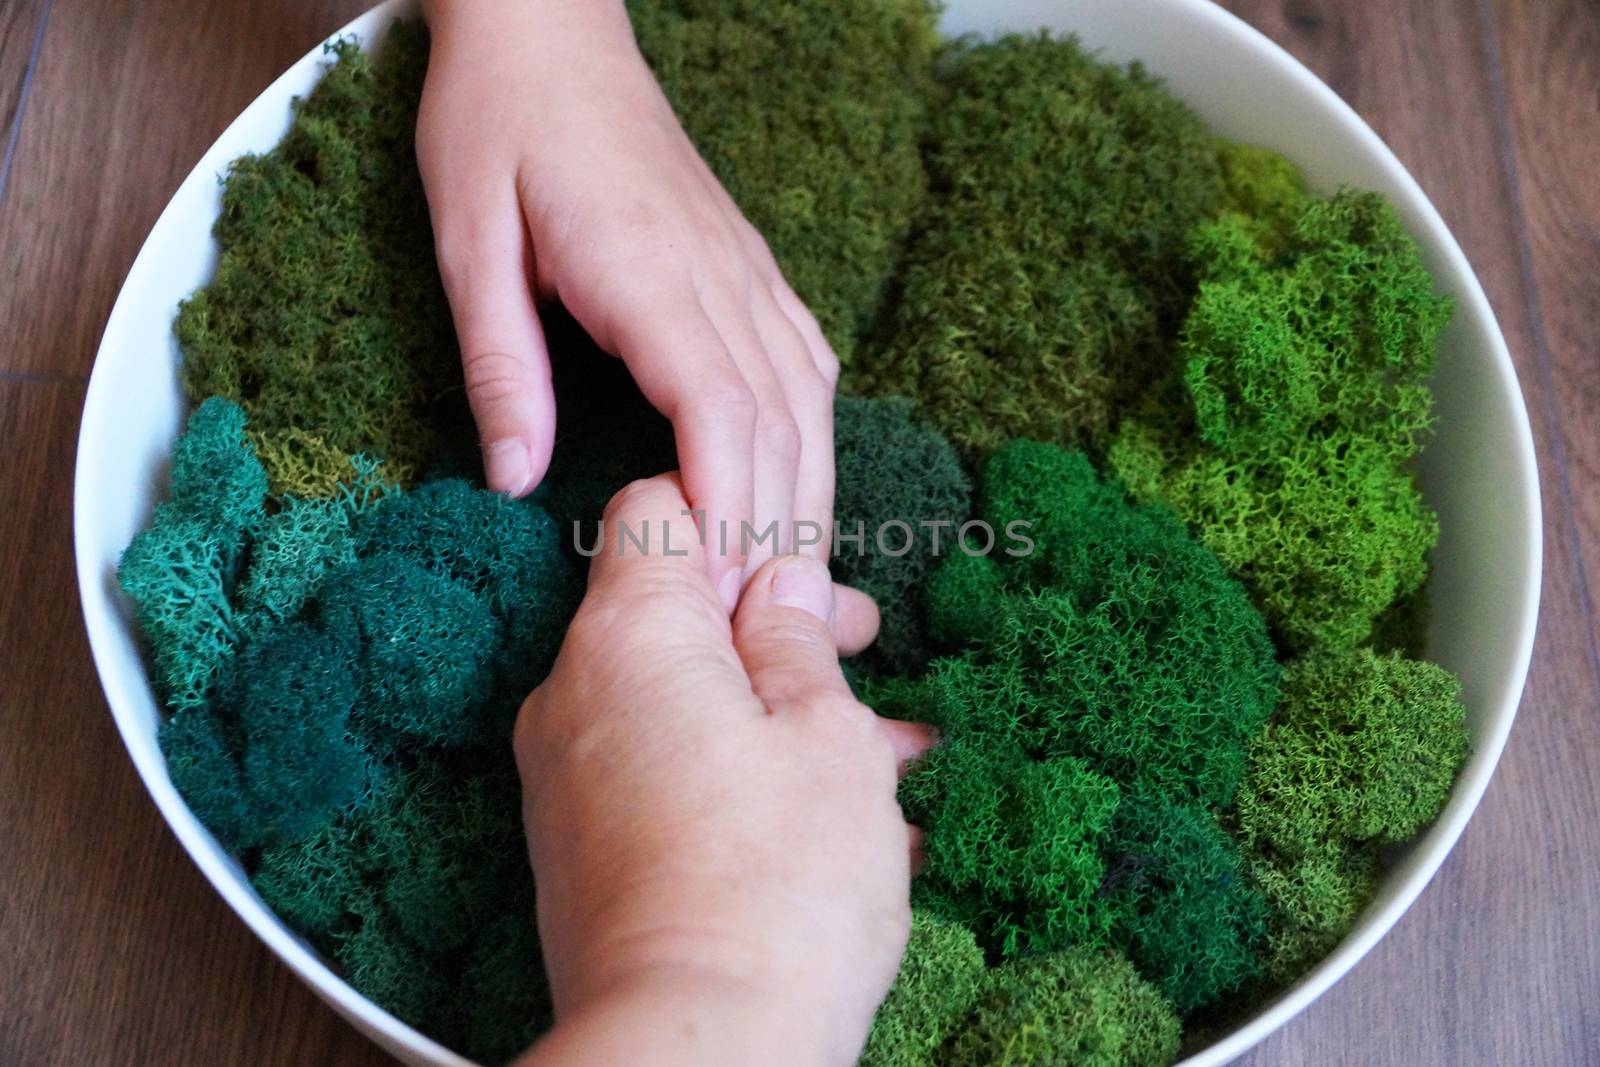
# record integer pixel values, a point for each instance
(503, 354)
(783, 632)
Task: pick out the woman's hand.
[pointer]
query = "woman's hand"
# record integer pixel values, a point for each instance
(556, 170)
(722, 868)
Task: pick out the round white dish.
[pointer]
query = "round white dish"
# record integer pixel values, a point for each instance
(1478, 470)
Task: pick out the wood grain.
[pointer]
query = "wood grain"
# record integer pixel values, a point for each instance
(114, 950)
(19, 30)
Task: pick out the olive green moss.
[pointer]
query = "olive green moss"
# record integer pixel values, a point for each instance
(1083, 1006)
(325, 319)
(1304, 360)
(810, 114)
(1041, 295)
(940, 976)
(898, 485)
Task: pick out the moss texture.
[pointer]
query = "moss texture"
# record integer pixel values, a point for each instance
(891, 468)
(1041, 294)
(940, 976)
(326, 320)
(1304, 359)
(810, 114)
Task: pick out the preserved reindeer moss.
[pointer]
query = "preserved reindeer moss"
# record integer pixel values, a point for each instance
(1118, 639)
(326, 315)
(206, 774)
(1187, 914)
(1041, 296)
(181, 570)
(1303, 368)
(810, 114)
(892, 468)
(939, 978)
(1082, 1006)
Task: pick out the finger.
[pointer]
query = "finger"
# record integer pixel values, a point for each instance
(855, 620)
(776, 459)
(482, 251)
(781, 632)
(810, 401)
(684, 369)
(909, 740)
(806, 325)
(650, 536)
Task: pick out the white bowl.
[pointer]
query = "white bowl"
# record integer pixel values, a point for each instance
(1477, 471)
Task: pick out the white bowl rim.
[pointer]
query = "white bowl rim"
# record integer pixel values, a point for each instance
(103, 615)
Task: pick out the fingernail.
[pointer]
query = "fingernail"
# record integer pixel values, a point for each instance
(802, 582)
(508, 467)
(728, 589)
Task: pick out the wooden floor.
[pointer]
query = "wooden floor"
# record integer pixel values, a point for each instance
(113, 949)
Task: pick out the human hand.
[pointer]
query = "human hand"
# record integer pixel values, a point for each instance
(722, 868)
(555, 169)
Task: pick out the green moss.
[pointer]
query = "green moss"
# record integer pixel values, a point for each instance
(810, 115)
(1303, 370)
(326, 319)
(1365, 748)
(1311, 903)
(1012, 843)
(315, 882)
(1041, 295)
(1187, 913)
(891, 468)
(507, 996)
(206, 774)
(1128, 644)
(294, 552)
(1082, 1006)
(939, 978)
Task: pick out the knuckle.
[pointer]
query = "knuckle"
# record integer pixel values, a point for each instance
(779, 434)
(493, 376)
(727, 397)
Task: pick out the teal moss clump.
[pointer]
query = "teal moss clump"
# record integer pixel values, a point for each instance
(890, 467)
(810, 114)
(181, 570)
(1041, 296)
(1302, 398)
(326, 320)
(1362, 753)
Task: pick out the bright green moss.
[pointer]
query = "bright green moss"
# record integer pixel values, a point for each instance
(810, 115)
(427, 646)
(1303, 369)
(939, 978)
(1082, 1006)
(1012, 843)
(1041, 295)
(892, 469)
(1263, 188)
(326, 315)
(1127, 643)
(1187, 914)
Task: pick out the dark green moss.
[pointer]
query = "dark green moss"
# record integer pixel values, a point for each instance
(892, 469)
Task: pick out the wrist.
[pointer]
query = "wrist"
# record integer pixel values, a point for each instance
(669, 1016)
(598, 20)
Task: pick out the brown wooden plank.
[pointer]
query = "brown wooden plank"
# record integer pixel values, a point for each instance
(126, 97)
(1498, 962)
(20, 21)
(113, 948)
(1550, 63)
